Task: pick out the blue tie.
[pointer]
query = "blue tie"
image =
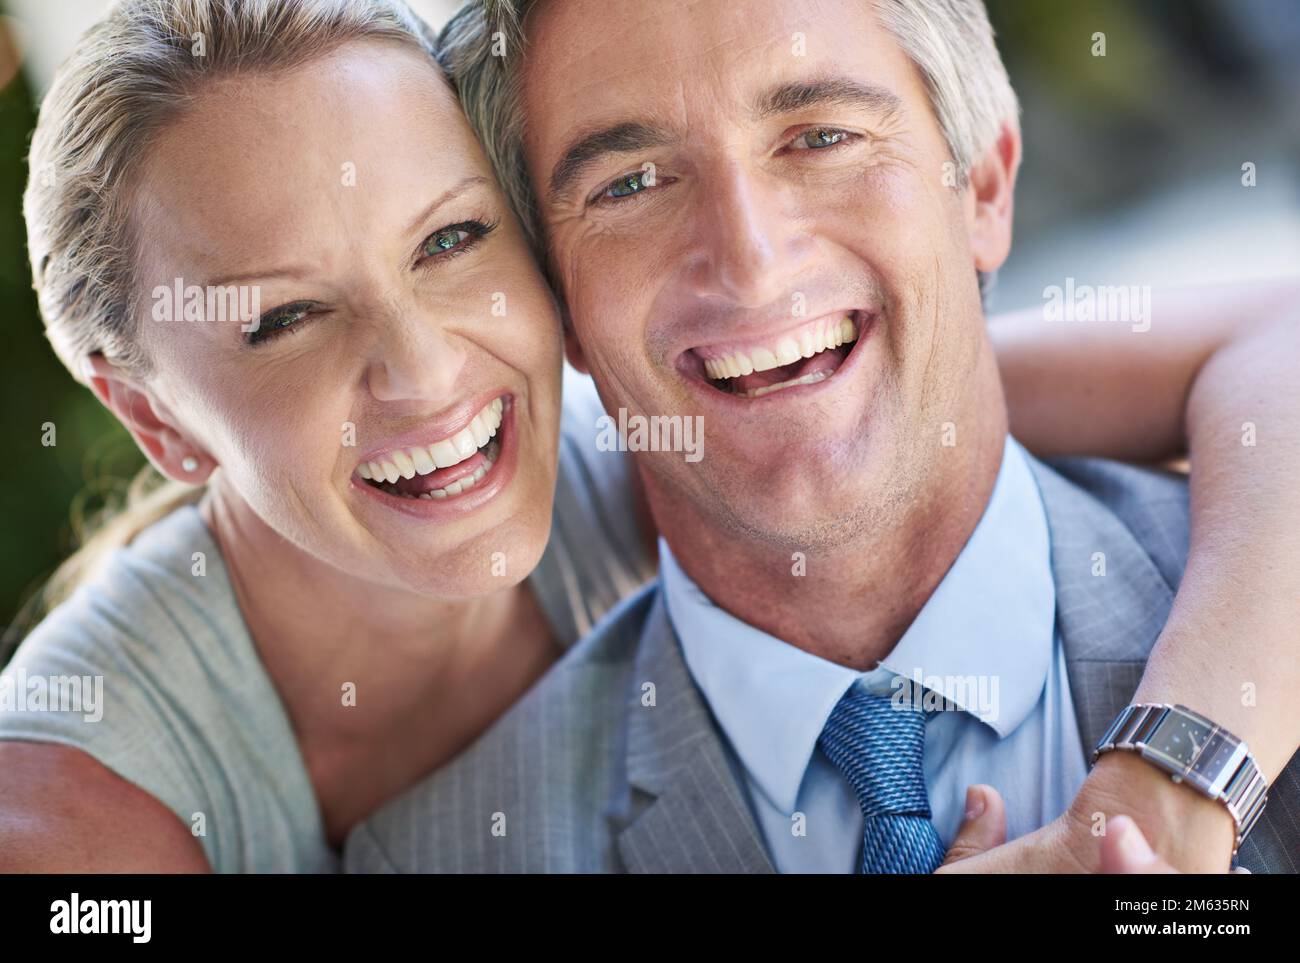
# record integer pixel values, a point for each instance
(878, 747)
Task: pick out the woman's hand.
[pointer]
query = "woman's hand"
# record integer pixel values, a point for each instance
(1214, 376)
(1123, 795)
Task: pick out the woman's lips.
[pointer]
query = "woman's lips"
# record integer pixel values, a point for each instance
(494, 478)
(407, 462)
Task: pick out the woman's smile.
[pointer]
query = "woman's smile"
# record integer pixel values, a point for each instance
(443, 468)
(460, 472)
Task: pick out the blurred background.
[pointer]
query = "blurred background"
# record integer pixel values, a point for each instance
(1132, 175)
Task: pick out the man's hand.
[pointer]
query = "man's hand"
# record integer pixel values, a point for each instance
(1186, 831)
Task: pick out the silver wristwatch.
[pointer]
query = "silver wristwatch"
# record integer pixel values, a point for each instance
(1195, 751)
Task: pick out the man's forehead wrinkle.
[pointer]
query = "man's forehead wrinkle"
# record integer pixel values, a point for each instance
(574, 63)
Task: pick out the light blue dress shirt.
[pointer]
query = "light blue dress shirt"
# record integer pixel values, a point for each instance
(986, 639)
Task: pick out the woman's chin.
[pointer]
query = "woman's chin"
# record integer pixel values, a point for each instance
(492, 561)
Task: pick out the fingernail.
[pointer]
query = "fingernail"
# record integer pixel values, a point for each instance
(974, 802)
(1131, 841)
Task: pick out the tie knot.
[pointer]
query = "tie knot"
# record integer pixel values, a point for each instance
(878, 744)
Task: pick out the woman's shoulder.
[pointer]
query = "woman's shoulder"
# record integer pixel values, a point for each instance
(165, 596)
(148, 668)
(597, 554)
(162, 605)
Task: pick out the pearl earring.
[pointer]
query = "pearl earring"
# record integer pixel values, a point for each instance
(190, 464)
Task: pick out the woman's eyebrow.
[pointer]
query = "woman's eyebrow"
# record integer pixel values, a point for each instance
(587, 148)
(288, 273)
(296, 272)
(832, 91)
(417, 222)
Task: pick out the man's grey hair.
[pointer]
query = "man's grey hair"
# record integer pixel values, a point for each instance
(949, 41)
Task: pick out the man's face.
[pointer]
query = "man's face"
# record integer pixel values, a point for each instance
(726, 187)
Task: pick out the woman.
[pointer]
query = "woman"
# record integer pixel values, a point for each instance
(346, 607)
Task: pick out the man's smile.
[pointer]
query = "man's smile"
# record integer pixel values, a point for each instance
(799, 357)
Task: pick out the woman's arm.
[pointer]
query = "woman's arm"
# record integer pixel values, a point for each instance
(1111, 389)
(63, 812)
(1214, 377)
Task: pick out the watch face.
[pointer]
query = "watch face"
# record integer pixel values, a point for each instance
(1179, 738)
(1218, 754)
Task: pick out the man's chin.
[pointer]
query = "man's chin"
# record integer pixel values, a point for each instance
(795, 516)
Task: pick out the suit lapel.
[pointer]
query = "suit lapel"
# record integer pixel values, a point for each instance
(696, 819)
(1109, 622)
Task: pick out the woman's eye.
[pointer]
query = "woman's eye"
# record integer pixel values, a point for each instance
(817, 139)
(274, 322)
(448, 239)
(454, 239)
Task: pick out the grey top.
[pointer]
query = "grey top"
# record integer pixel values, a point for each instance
(189, 713)
(614, 763)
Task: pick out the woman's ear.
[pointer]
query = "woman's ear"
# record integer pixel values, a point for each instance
(991, 193)
(148, 421)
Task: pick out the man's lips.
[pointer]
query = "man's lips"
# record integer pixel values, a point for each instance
(803, 355)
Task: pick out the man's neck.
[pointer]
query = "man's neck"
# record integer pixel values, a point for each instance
(852, 602)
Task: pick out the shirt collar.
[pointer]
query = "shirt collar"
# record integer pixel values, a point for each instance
(991, 619)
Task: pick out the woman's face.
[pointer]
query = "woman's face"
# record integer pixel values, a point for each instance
(403, 329)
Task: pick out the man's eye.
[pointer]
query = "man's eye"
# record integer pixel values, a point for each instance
(276, 321)
(627, 185)
(817, 139)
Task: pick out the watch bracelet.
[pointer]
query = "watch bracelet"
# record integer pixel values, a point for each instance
(1244, 793)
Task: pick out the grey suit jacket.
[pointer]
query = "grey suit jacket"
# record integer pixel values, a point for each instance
(613, 763)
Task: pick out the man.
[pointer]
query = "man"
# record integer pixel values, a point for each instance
(801, 265)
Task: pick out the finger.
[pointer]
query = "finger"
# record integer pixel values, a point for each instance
(984, 826)
(1125, 850)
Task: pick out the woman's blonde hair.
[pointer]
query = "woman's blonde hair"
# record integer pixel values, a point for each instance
(129, 76)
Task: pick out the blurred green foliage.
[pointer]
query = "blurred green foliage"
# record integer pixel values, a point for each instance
(42, 488)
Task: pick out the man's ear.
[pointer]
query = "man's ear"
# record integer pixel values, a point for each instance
(573, 350)
(148, 421)
(572, 346)
(991, 194)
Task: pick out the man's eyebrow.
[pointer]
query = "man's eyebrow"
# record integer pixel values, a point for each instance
(827, 92)
(588, 148)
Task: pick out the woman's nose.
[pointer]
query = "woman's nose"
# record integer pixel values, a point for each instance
(415, 361)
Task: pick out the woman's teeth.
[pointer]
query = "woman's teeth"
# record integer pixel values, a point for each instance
(814, 339)
(460, 485)
(409, 462)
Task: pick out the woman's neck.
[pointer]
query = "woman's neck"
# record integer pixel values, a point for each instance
(381, 685)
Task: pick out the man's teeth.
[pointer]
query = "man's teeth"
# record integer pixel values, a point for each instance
(409, 462)
(490, 454)
(808, 379)
(812, 340)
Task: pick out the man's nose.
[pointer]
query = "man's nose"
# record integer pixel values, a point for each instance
(413, 360)
(751, 245)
